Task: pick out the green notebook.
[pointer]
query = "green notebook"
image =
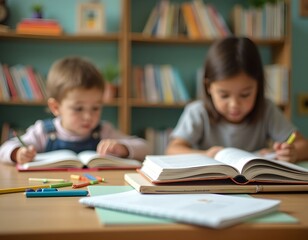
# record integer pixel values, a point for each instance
(111, 217)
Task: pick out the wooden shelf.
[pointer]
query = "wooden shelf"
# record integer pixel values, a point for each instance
(113, 103)
(64, 37)
(140, 38)
(141, 104)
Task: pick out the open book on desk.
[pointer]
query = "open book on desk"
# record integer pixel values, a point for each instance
(240, 166)
(67, 159)
(143, 185)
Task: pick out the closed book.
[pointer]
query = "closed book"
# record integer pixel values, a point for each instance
(144, 185)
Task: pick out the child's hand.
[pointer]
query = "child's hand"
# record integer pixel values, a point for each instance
(112, 147)
(211, 152)
(25, 154)
(285, 152)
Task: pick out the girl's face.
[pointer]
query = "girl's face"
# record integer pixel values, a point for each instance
(234, 98)
(80, 110)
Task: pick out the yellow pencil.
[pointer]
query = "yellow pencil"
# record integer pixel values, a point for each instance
(21, 189)
(291, 138)
(45, 180)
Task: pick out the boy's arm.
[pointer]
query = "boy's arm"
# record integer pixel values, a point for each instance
(7, 149)
(138, 148)
(34, 136)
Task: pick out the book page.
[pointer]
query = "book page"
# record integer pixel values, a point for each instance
(93, 159)
(57, 158)
(235, 157)
(211, 210)
(243, 160)
(86, 156)
(181, 161)
(183, 166)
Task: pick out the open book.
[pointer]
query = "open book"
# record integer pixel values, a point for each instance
(238, 165)
(66, 159)
(211, 210)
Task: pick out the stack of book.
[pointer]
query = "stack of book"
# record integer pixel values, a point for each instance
(39, 27)
(231, 171)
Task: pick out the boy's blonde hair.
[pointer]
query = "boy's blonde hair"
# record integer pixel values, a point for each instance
(70, 73)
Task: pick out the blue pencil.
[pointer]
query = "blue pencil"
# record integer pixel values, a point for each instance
(65, 193)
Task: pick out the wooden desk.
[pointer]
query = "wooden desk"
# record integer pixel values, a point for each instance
(64, 218)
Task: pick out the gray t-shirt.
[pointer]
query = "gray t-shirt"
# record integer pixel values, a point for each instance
(194, 127)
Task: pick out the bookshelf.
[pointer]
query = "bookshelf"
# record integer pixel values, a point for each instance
(129, 47)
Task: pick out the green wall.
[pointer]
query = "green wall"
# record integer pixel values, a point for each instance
(299, 64)
(41, 57)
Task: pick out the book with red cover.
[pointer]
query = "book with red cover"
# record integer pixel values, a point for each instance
(10, 82)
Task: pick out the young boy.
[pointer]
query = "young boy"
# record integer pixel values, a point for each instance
(75, 92)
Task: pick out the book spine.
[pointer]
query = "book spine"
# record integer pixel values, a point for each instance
(4, 86)
(10, 82)
(33, 83)
(190, 20)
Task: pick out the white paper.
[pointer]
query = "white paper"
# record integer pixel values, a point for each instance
(212, 210)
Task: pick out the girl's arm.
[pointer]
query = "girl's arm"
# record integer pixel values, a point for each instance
(180, 146)
(292, 152)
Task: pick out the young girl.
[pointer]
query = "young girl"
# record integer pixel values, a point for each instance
(75, 92)
(234, 112)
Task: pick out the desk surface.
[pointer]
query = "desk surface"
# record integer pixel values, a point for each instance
(55, 218)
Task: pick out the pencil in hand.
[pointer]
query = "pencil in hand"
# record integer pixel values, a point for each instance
(291, 138)
(19, 139)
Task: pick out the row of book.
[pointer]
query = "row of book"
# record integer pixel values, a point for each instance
(277, 83)
(21, 82)
(157, 140)
(265, 22)
(194, 19)
(39, 26)
(158, 84)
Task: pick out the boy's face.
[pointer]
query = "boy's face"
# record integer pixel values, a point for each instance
(234, 98)
(80, 110)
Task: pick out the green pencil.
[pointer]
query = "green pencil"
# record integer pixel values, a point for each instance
(19, 139)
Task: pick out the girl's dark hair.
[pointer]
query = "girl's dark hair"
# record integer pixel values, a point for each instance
(227, 58)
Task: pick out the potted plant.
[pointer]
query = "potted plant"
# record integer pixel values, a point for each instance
(111, 77)
(37, 11)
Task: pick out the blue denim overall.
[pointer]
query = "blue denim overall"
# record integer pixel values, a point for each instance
(54, 143)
